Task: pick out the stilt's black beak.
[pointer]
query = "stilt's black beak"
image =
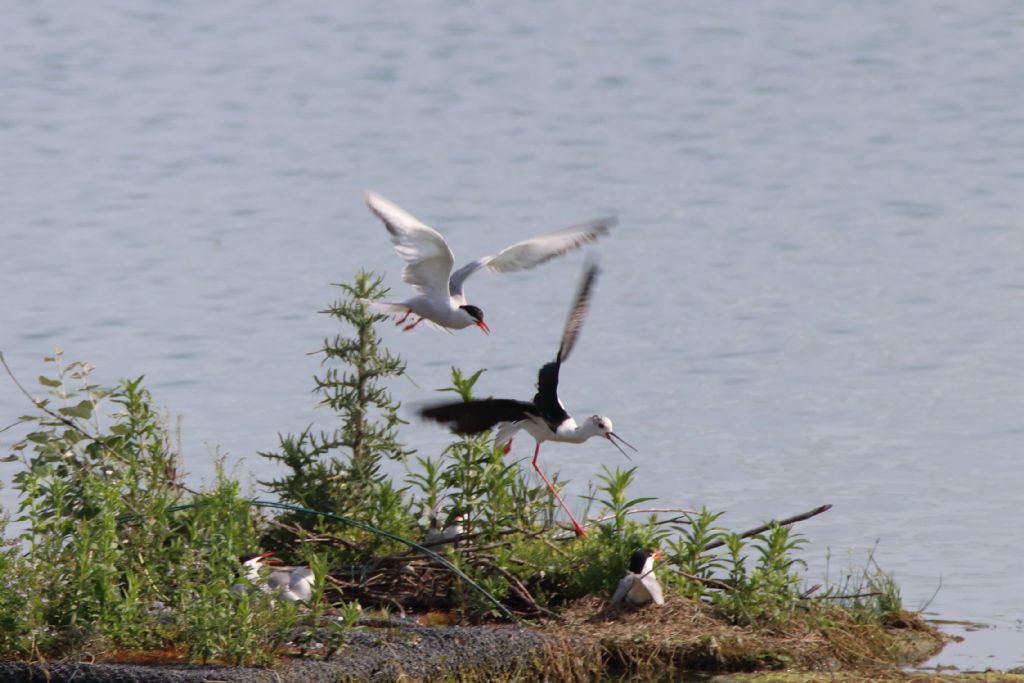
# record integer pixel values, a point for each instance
(609, 436)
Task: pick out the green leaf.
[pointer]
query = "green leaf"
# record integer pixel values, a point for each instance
(9, 458)
(39, 437)
(47, 382)
(83, 410)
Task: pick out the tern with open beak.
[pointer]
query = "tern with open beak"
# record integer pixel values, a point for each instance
(294, 584)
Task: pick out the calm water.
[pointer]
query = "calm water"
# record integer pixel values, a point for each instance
(815, 294)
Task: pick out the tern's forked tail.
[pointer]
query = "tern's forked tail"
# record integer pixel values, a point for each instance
(385, 307)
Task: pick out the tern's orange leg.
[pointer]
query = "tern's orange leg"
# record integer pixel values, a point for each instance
(579, 529)
(412, 325)
(402, 320)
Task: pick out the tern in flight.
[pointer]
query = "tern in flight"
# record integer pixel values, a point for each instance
(429, 261)
(544, 418)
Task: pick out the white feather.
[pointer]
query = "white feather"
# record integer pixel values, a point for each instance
(537, 250)
(506, 432)
(294, 584)
(428, 257)
(533, 252)
(639, 589)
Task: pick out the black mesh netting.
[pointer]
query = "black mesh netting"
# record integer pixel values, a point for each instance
(409, 652)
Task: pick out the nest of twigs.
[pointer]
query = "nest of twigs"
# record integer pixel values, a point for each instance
(690, 635)
(411, 582)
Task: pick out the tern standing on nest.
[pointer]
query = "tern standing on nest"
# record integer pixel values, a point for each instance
(640, 586)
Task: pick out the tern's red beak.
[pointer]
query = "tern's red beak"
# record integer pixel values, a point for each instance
(265, 555)
(483, 326)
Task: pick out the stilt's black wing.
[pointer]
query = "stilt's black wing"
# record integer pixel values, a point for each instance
(579, 311)
(546, 398)
(473, 417)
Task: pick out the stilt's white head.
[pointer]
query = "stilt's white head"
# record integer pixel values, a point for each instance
(603, 425)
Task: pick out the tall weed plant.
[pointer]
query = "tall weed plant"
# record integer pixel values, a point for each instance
(339, 470)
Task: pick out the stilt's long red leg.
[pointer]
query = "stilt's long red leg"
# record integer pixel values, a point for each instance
(579, 529)
(402, 320)
(409, 327)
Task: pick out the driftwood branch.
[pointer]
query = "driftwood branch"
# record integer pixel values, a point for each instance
(807, 593)
(41, 405)
(303, 535)
(553, 547)
(870, 594)
(679, 514)
(781, 522)
(711, 583)
(516, 585)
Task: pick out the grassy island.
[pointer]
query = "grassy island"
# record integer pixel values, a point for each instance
(119, 562)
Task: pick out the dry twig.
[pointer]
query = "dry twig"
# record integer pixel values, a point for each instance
(782, 522)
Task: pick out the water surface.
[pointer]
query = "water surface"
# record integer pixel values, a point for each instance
(815, 293)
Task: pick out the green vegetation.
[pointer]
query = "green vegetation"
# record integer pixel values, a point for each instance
(103, 563)
(115, 555)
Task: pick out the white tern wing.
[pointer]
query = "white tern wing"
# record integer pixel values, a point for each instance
(653, 587)
(428, 258)
(292, 583)
(534, 251)
(278, 579)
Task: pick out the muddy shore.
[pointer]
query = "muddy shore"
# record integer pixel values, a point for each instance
(373, 654)
(591, 639)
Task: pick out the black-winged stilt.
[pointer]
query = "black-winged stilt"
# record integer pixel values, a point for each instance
(429, 262)
(545, 418)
